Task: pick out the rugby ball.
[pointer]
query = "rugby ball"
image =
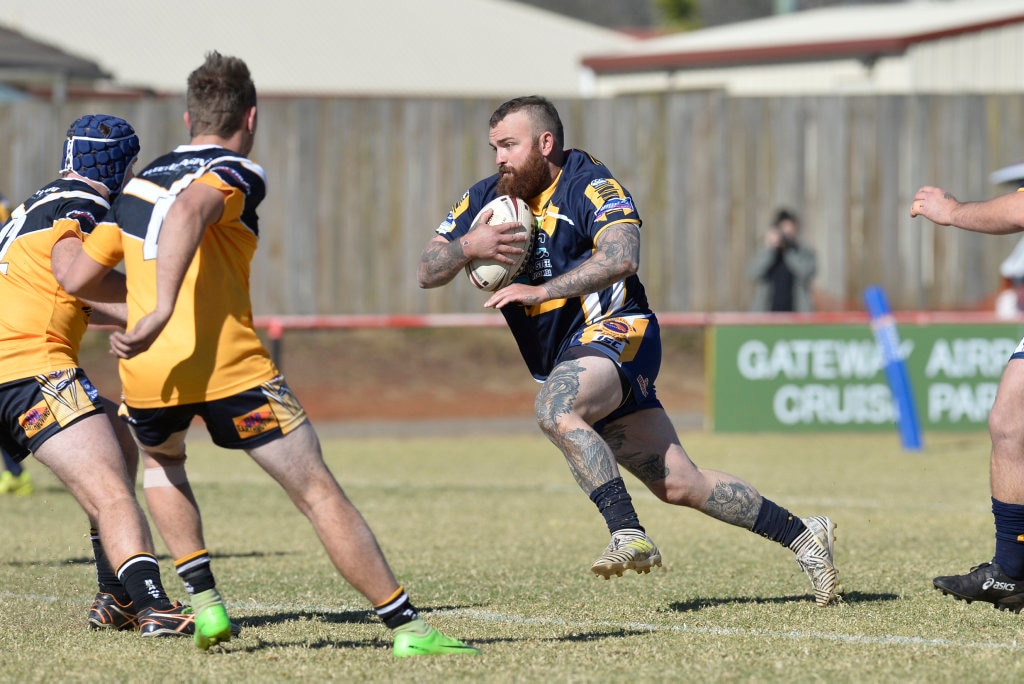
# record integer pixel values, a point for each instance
(491, 275)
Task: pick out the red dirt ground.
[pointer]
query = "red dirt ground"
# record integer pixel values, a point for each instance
(429, 373)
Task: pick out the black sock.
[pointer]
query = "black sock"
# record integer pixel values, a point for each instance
(776, 523)
(195, 572)
(615, 504)
(105, 577)
(140, 575)
(396, 611)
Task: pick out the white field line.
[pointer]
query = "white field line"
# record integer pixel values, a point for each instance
(794, 635)
(584, 625)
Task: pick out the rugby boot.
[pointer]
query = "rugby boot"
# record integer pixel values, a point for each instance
(107, 613)
(213, 627)
(628, 550)
(178, 620)
(814, 549)
(19, 485)
(431, 643)
(986, 582)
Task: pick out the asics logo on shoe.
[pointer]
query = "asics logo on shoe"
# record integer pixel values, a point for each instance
(991, 583)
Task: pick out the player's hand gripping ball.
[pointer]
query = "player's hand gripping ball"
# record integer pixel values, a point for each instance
(491, 275)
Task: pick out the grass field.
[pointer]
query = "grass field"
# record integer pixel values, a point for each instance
(493, 541)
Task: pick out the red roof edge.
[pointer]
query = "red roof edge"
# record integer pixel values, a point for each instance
(867, 48)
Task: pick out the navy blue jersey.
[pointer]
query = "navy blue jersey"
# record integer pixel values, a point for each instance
(570, 214)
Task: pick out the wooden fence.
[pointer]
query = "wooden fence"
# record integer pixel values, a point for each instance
(357, 185)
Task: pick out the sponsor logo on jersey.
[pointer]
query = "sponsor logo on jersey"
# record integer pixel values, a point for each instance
(175, 168)
(45, 191)
(90, 389)
(644, 384)
(457, 210)
(448, 225)
(60, 380)
(255, 422)
(618, 204)
(559, 217)
(86, 219)
(36, 419)
(228, 173)
(616, 327)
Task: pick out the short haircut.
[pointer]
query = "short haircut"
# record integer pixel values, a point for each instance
(785, 215)
(542, 113)
(220, 93)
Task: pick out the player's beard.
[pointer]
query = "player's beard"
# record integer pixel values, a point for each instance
(527, 181)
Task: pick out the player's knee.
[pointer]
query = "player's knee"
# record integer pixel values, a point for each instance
(678, 493)
(548, 418)
(1005, 426)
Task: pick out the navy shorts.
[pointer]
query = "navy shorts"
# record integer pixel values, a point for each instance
(634, 344)
(242, 421)
(34, 409)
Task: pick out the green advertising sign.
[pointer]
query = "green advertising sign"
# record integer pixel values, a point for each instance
(769, 378)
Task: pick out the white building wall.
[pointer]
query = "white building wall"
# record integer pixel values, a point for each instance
(987, 61)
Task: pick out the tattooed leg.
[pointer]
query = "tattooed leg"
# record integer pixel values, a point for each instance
(646, 444)
(575, 394)
(732, 501)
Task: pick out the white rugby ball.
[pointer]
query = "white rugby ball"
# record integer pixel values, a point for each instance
(491, 275)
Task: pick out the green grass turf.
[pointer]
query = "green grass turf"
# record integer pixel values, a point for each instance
(493, 541)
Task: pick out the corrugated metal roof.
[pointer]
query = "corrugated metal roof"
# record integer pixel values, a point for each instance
(860, 31)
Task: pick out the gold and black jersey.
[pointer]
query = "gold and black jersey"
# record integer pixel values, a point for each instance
(41, 325)
(209, 349)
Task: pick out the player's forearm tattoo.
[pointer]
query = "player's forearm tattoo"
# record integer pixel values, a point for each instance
(443, 259)
(647, 467)
(733, 502)
(617, 255)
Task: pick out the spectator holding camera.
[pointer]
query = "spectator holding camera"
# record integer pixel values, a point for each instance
(782, 270)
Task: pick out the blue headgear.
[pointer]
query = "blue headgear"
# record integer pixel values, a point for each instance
(101, 147)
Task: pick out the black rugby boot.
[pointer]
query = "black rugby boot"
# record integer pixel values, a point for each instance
(985, 582)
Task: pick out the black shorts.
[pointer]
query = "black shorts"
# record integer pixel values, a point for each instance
(34, 409)
(242, 421)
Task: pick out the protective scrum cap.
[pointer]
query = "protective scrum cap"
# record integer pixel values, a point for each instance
(101, 148)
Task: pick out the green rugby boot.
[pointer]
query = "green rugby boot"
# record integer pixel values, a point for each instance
(431, 643)
(212, 627)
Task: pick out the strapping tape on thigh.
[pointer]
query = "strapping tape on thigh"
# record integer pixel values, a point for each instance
(168, 476)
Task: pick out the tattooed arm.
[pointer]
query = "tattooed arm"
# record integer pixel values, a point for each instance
(440, 262)
(443, 259)
(616, 257)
